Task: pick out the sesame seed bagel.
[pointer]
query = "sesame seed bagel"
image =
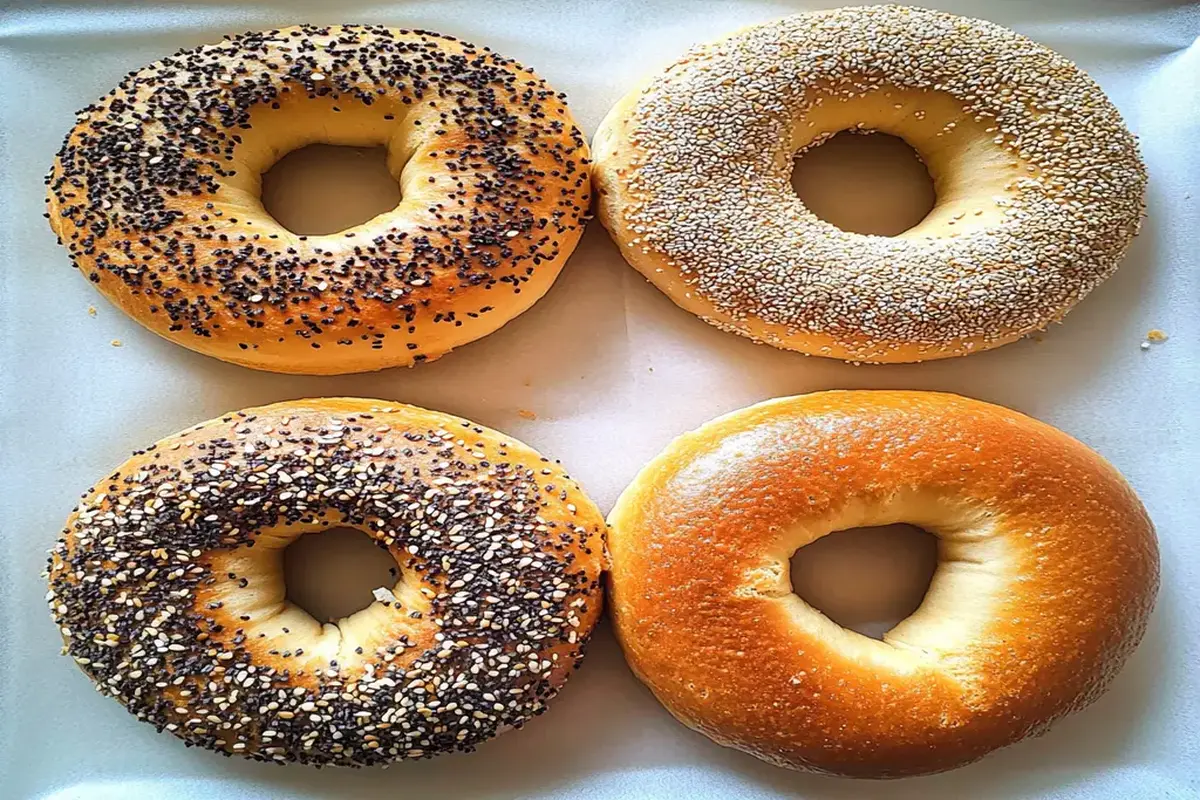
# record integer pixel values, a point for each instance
(156, 195)
(1039, 184)
(167, 583)
(1047, 574)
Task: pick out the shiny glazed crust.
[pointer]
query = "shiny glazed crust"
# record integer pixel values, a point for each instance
(1048, 571)
(156, 195)
(167, 583)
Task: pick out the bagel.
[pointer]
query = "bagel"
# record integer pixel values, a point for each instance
(1047, 574)
(167, 584)
(156, 195)
(1039, 184)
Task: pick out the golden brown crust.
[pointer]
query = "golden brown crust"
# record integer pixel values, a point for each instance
(1048, 574)
(692, 172)
(155, 192)
(167, 583)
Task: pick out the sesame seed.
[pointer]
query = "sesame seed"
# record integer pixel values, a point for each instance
(695, 170)
(477, 627)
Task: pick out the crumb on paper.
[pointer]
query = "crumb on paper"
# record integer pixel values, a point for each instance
(1154, 336)
(115, 342)
(525, 413)
(91, 311)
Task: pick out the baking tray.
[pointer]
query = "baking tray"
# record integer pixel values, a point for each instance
(612, 371)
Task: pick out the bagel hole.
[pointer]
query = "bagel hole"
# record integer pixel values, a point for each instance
(870, 183)
(866, 579)
(322, 189)
(331, 574)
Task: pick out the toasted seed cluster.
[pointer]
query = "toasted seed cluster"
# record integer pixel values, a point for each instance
(138, 193)
(505, 548)
(708, 190)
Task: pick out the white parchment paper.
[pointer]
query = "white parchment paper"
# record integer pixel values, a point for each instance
(612, 371)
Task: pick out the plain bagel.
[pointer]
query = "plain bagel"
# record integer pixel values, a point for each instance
(156, 194)
(1039, 184)
(167, 584)
(1048, 570)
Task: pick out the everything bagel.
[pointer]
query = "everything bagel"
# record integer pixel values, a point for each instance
(167, 584)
